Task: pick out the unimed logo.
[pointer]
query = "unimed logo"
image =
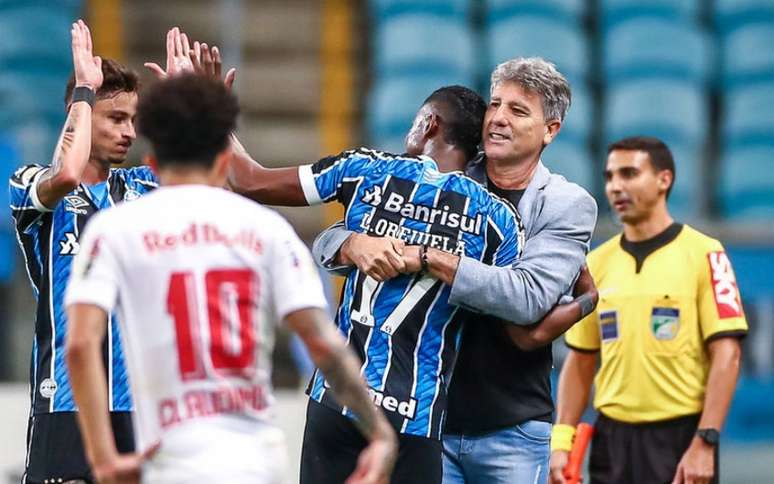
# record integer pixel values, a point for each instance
(724, 286)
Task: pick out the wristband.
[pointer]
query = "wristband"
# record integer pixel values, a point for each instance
(586, 304)
(423, 257)
(562, 436)
(83, 93)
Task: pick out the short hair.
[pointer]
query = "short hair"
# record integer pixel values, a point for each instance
(116, 78)
(658, 152)
(187, 119)
(462, 116)
(537, 75)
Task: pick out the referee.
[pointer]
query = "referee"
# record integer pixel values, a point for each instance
(667, 332)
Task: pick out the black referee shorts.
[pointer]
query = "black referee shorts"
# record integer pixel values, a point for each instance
(56, 449)
(623, 453)
(332, 444)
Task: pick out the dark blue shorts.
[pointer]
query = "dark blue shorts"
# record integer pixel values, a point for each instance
(55, 449)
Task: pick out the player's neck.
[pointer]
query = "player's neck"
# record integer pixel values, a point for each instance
(447, 157)
(510, 175)
(96, 171)
(659, 221)
(171, 177)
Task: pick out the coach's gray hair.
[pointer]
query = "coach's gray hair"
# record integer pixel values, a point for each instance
(537, 75)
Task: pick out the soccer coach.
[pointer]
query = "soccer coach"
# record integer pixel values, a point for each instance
(500, 407)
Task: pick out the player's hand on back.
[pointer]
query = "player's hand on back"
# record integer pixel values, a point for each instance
(379, 257)
(375, 463)
(87, 67)
(124, 468)
(559, 460)
(178, 56)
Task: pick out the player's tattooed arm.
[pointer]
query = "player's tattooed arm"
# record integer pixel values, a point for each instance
(559, 319)
(329, 352)
(342, 371)
(74, 146)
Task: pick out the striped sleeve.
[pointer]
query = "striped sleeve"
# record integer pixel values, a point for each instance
(322, 181)
(25, 205)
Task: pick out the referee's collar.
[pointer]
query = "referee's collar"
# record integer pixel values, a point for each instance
(642, 249)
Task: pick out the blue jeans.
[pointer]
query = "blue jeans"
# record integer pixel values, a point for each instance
(516, 455)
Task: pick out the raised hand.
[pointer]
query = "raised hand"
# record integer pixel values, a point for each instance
(88, 68)
(178, 56)
(208, 62)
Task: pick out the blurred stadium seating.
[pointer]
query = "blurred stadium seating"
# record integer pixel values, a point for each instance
(699, 74)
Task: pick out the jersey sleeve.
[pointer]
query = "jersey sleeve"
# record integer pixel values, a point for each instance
(720, 304)
(295, 282)
(25, 205)
(584, 335)
(95, 275)
(322, 181)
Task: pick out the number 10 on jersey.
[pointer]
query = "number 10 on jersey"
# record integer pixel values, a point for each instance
(230, 304)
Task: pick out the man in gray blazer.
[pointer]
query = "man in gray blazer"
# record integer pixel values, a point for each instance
(500, 408)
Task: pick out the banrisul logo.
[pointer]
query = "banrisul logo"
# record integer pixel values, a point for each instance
(444, 215)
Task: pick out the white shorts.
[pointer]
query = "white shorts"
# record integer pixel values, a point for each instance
(207, 454)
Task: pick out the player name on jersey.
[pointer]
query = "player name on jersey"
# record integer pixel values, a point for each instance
(203, 403)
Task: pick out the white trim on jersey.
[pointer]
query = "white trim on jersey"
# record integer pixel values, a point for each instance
(51, 308)
(306, 177)
(34, 193)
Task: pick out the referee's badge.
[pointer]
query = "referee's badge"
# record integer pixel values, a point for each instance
(665, 323)
(608, 325)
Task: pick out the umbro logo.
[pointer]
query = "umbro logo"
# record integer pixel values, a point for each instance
(75, 204)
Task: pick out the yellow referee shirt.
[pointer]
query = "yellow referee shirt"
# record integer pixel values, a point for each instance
(660, 301)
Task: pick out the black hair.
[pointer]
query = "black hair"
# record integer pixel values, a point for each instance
(660, 156)
(187, 120)
(116, 78)
(462, 115)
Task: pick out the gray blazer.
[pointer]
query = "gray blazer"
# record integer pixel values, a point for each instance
(558, 218)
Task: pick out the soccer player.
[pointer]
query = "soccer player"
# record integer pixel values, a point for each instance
(403, 330)
(200, 277)
(504, 437)
(666, 332)
(50, 207)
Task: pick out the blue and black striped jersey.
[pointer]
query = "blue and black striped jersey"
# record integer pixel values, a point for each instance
(404, 330)
(49, 239)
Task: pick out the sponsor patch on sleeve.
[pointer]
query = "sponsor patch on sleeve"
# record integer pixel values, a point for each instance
(724, 286)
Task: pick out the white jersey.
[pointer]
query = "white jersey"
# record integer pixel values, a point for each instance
(199, 277)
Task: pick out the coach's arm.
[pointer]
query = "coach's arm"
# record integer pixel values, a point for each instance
(553, 254)
(523, 293)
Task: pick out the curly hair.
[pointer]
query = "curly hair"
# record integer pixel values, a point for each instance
(187, 120)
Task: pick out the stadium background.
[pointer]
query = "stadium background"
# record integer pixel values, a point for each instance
(318, 76)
